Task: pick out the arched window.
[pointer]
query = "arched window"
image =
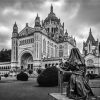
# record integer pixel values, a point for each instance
(89, 48)
(48, 50)
(44, 46)
(37, 49)
(51, 51)
(48, 30)
(60, 51)
(52, 30)
(55, 51)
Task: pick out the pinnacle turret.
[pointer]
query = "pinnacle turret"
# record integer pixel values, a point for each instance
(15, 28)
(37, 21)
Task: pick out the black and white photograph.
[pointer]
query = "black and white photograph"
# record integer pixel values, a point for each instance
(49, 49)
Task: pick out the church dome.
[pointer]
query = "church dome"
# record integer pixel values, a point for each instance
(52, 16)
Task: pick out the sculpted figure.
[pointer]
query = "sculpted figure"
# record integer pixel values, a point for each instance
(78, 87)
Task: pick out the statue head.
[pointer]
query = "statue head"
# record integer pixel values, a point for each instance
(76, 57)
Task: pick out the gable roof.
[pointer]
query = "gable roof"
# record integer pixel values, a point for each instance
(26, 31)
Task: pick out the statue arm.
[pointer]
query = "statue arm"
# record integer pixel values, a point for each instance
(69, 72)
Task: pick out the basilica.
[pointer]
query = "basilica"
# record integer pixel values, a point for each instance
(43, 44)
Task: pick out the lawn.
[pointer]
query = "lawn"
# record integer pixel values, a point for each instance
(11, 89)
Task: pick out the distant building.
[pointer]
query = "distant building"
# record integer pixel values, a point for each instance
(44, 44)
(5, 68)
(91, 52)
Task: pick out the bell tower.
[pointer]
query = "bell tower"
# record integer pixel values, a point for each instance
(14, 52)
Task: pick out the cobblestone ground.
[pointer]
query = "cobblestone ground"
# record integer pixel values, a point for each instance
(11, 89)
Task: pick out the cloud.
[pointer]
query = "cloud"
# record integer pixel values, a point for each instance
(8, 11)
(78, 16)
(4, 29)
(4, 39)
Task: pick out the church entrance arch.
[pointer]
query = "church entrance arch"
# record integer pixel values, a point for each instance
(26, 61)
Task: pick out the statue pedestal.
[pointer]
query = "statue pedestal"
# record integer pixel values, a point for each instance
(58, 96)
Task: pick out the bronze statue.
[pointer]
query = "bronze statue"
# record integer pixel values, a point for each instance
(78, 87)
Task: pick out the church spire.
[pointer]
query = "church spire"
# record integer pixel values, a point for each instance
(90, 38)
(90, 31)
(51, 10)
(37, 17)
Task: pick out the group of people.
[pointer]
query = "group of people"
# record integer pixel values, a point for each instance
(78, 86)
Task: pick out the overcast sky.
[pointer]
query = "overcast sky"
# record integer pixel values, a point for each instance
(78, 16)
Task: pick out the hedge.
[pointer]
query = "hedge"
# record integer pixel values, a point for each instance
(49, 77)
(22, 76)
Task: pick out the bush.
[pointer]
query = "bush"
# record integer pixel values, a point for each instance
(39, 71)
(98, 76)
(92, 76)
(6, 75)
(22, 76)
(49, 77)
(30, 72)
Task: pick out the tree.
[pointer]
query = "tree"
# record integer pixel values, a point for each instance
(5, 55)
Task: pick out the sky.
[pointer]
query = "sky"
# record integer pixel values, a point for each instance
(78, 17)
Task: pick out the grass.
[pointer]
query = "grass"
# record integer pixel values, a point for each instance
(11, 89)
(20, 90)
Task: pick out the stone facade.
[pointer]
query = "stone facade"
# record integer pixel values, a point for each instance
(36, 46)
(91, 52)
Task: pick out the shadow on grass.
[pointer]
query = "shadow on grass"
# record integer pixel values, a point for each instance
(8, 81)
(44, 86)
(5, 82)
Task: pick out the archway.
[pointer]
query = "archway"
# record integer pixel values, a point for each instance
(26, 61)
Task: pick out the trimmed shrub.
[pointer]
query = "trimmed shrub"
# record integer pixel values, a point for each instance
(92, 76)
(22, 76)
(39, 71)
(30, 72)
(49, 77)
(6, 75)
